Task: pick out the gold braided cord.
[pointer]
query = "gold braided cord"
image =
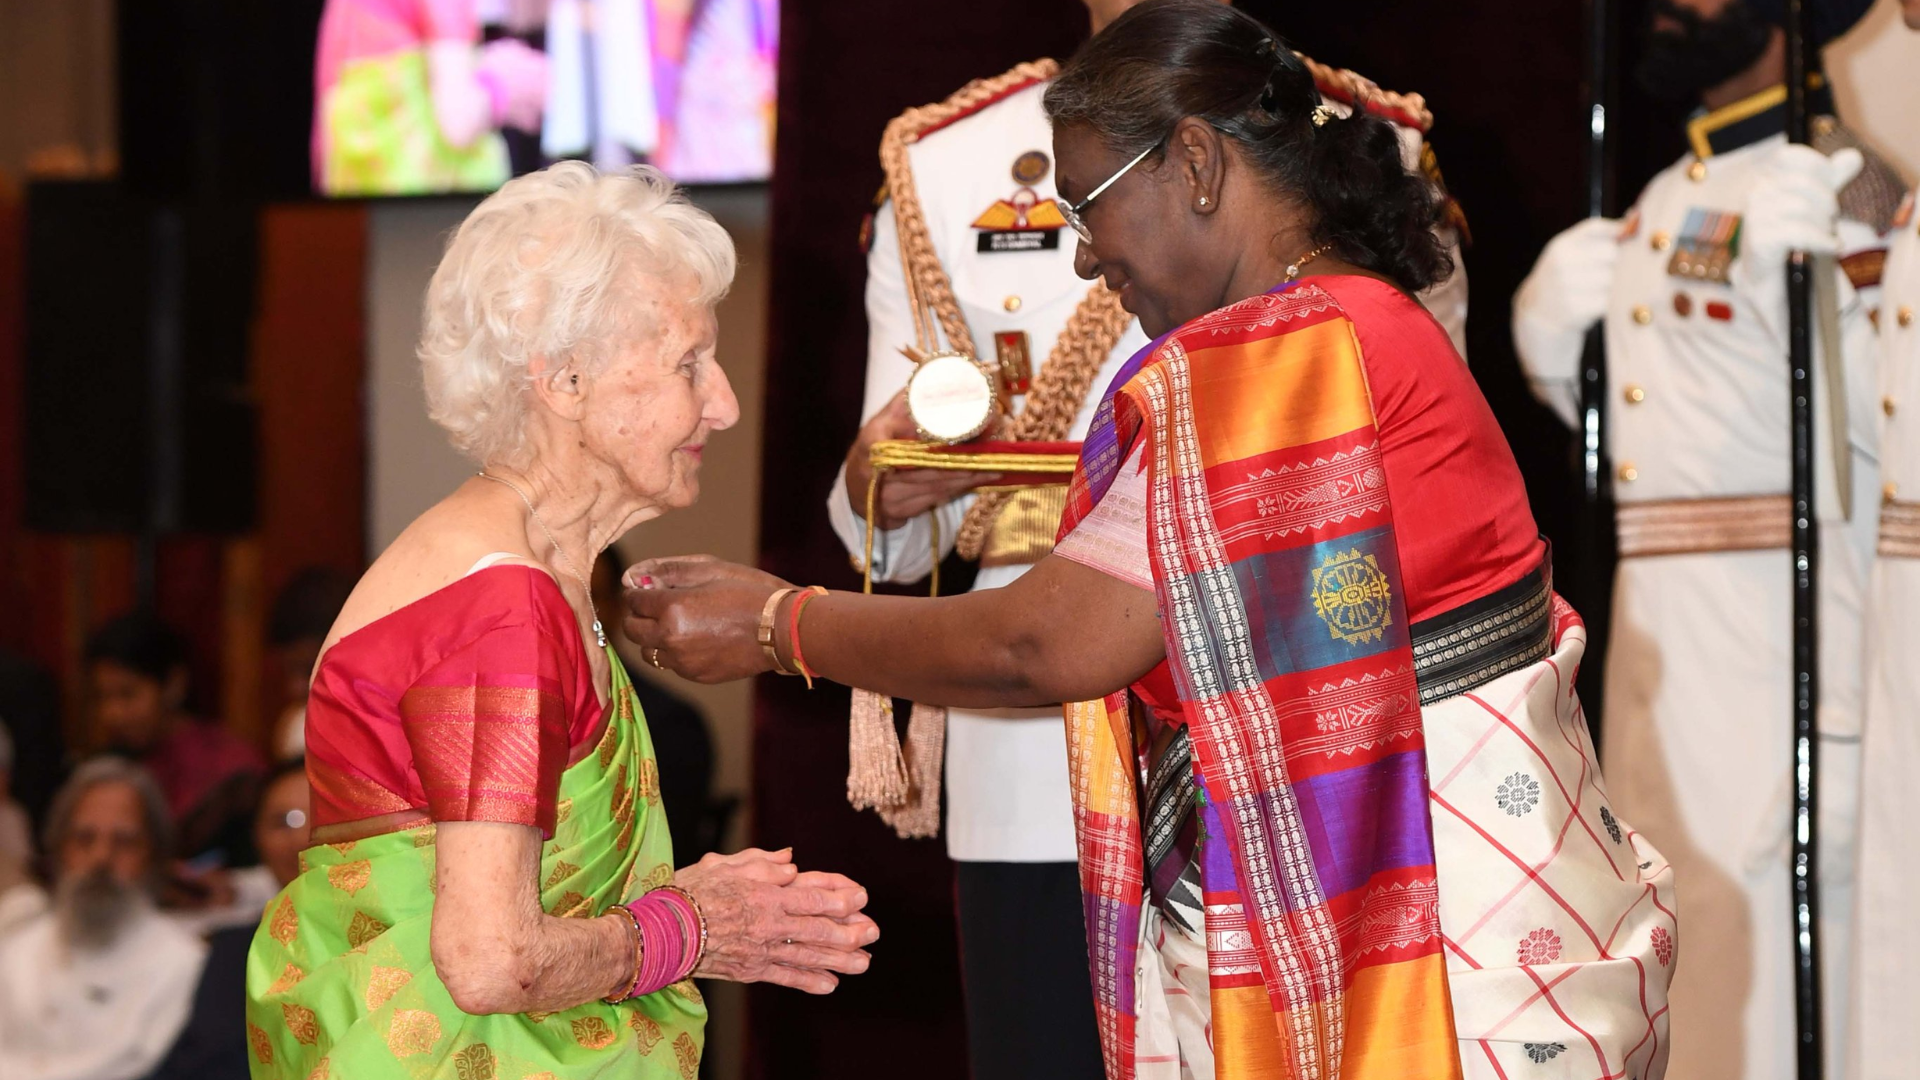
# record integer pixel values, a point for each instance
(929, 289)
(1365, 93)
(1059, 389)
(906, 454)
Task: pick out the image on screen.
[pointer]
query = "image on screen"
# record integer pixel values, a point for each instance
(427, 97)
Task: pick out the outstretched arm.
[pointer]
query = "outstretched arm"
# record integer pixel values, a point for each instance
(1062, 632)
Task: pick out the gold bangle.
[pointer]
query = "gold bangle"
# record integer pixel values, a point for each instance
(765, 634)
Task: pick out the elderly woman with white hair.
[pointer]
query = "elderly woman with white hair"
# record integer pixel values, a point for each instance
(491, 890)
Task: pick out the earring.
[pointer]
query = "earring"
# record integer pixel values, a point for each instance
(1203, 200)
(576, 380)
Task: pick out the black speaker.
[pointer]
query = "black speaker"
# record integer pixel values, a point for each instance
(137, 321)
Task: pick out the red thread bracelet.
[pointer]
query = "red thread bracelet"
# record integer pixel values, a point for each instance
(793, 630)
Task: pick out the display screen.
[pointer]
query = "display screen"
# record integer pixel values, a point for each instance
(427, 97)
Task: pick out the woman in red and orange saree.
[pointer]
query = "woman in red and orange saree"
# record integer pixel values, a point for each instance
(1338, 812)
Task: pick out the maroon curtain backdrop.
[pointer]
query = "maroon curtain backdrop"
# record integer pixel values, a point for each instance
(1503, 80)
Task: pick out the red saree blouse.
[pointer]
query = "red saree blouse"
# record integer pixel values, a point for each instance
(465, 705)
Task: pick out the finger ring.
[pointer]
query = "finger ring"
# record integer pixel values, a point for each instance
(653, 657)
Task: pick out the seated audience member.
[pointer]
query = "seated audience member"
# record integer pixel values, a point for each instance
(138, 669)
(97, 986)
(16, 835)
(214, 1044)
(302, 614)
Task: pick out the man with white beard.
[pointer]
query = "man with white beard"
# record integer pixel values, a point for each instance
(97, 986)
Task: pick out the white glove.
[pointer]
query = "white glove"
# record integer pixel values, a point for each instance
(1794, 204)
(1564, 295)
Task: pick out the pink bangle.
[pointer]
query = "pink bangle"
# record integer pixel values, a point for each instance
(638, 949)
(496, 95)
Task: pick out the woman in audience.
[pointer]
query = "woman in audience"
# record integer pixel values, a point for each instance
(137, 666)
(491, 889)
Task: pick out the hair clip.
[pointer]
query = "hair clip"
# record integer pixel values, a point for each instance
(1322, 114)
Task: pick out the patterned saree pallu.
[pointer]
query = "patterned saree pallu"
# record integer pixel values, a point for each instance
(341, 982)
(1289, 644)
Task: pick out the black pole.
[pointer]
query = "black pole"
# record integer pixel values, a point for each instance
(1595, 528)
(1810, 1040)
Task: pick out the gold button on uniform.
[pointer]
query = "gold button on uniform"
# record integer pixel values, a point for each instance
(1662, 240)
(1887, 406)
(1011, 303)
(1642, 314)
(1628, 473)
(1905, 316)
(1635, 395)
(1889, 492)
(1697, 171)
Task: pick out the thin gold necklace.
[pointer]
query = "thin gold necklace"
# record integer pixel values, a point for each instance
(1293, 268)
(598, 634)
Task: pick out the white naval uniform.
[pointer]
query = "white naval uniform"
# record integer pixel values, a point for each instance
(1006, 769)
(1887, 993)
(1697, 728)
(109, 1015)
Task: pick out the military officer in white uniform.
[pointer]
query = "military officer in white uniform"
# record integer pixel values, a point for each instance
(972, 181)
(1886, 993)
(1691, 288)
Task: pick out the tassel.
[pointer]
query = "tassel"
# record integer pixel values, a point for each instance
(876, 774)
(918, 815)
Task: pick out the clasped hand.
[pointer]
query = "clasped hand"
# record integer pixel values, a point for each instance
(767, 921)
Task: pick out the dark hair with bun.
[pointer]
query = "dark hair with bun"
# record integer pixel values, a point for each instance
(1169, 59)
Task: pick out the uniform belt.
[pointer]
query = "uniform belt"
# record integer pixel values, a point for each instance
(1022, 533)
(1900, 530)
(1690, 526)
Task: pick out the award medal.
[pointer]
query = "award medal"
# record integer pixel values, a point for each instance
(1023, 221)
(952, 397)
(1708, 243)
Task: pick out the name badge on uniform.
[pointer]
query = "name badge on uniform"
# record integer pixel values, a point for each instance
(1708, 243)
(1023, 221)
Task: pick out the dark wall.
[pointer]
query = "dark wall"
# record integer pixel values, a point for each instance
(1505, 82)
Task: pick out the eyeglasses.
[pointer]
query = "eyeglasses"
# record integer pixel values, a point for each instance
(1072, 211)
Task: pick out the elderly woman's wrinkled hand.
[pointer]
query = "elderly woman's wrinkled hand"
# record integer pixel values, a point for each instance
(699, 616)
(769, 922)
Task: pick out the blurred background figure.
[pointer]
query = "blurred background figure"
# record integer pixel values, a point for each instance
(1691, 287)
(213, 1046)
(297, 624)
(16, 833)
(407, 100)
(137, 668)
(30, 713)
(97, 985)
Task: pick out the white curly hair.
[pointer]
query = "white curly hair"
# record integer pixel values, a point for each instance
(554, 264)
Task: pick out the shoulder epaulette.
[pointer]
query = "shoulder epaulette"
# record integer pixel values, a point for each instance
(1354, 89)
(1873, 197)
